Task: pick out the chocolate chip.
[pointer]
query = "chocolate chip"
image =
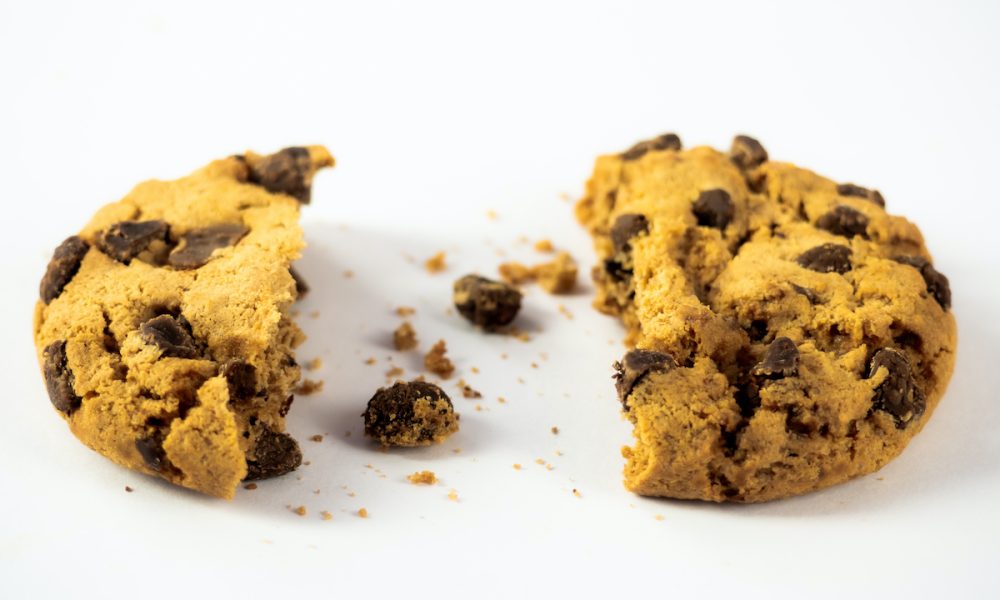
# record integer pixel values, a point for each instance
(937, 283)
(757, 330)
(285, 172)
(808, 293)
(59, 378)
(856, 191)
(486, 303)
(242, 379)
(713, 208)
(616, 270)
(170, 335)
(125, 240)
(635, 365)
(274, 454)
(747, 152)
(286, 405)
(781, 359)
(826, 258)
(845, 221)
(898, 394)
(151, 450)
(625, 228)
(391, 416)
(667, 141)
(196, 246)
(62, 268)
(301, 287)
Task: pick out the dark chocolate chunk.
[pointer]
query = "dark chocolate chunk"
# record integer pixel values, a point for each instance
(713, 208)
(747, 152)
(826, 258)
(170, 335)
(486, 303)
(781, 359)
(808, 293)
(667, 141)
(285, 172)
(856, 191)
(59, 378)
(390, 416)
(273, 454)
(937, 283)
(151, 449)
(625, 228)
(242, 379)
(845, 221)
(62, 268)
(757, 329)
(196, 246)
(616, 270)
(301, 287)
(125, 240)
(898, 394)
(635, 365)
(286, 405)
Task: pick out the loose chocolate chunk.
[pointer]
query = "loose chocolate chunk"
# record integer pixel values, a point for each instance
(808, 293)
(196, 246)
(667, 141)
(486, 303)
(124, 240)
(62, 268)
(301, 287)
(898, 394)
(285, 172)
(937, 283)
(59, 378)
(630, 370)
(273, 454)
(151, 449)
(856, 191)
(625, 228)
(845, 221)
(170, 335)
(714, 208)
(392, 418)
(242, 379)
(747, 152)
(826, 258)
(781, 359)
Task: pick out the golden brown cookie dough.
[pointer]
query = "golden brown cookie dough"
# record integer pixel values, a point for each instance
(163, 328)
(787, 333)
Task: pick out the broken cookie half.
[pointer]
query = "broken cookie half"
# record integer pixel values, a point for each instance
(163, 330)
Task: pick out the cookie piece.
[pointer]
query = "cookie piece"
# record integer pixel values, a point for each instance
(787, 333)
(417, 413)
(163, 329)
(486, 303)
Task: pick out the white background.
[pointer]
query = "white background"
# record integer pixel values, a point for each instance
(438, 113)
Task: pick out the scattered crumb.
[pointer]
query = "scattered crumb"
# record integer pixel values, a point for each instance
(348, 274)
(467, 390)
(436, 362)
(394, 372)
(659, 517)
(404, 338)
(517, 333)
(534, 365)
(370, 360)
(555, 430)
(548, 466)
(544, 246)
(350, 494)
(435, 264)
(309, 386)
(517, 466)
(475, 370)
(880, 478)
(558, 453)
(316, 491)
(492, 215)
(516, 273)
(128, 489)
(250, 486)
(314, 314)
(316, 438)
(422, 478)
(565, 197)
(539, 461)
(576, 493)
(405, 311)
(556, 277)
(314, 364)
(453, 495)
(479, 408)
(520, 380)
(503, 356)
(326, 515)
(565, 312)
(501, 400)
(301, 511)
(457, 450)
(363, 513)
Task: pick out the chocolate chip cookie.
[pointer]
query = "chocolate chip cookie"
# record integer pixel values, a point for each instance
(786, 332)
(163, 330)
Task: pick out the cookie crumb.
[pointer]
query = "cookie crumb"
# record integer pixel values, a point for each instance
(250, 486)
(565, 312)
(457, 450)
(474, 370)
(301, 511)
(467, 390)
(314, 364)
(515, 273)
(453, 495)
(370, 360)
(576, 493)
(128, 489)
(534, 365)
(517, 466)
(348, 274)
(394, 373)
(422, 478)
(309, 386)
(544, 246)
(405, 311)
(555, 430)
(363, 513)
(501, 400)
(436, 362)
(326, 515)
(539, 461)
(316, 438)
(659, 517)
(404, 337)
(492, 215)
(435, 264)
(558, 276)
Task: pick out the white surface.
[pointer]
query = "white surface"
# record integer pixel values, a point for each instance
(437, 114)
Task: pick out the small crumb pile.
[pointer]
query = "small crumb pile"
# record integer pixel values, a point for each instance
(556, 277)
(435, 264)
(436, 362)
(422, 478)
(404, 338)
